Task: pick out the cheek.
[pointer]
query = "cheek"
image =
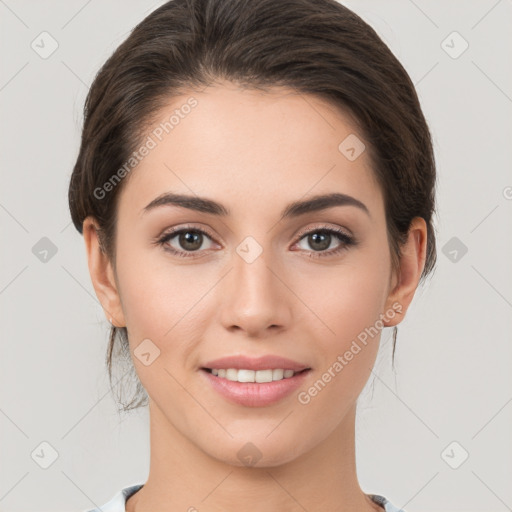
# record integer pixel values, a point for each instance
(346, 341)
(157, 294)
(165, 303)
(342, 301)
(347, 302)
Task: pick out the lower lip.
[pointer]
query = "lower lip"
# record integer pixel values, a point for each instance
(254, 394)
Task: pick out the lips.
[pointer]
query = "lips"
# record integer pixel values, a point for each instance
(254, 394)
(266, 362)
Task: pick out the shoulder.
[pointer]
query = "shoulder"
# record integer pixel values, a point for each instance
(384, 502)
(118, 502)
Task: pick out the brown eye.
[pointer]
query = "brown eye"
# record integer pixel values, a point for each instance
(190, 240)
(319, 240)
(184, 242)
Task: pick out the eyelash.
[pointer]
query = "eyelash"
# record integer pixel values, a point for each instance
(346, 240)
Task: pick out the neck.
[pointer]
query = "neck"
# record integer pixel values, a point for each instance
(183, 477)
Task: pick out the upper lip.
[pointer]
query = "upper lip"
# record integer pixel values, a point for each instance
(255, 363)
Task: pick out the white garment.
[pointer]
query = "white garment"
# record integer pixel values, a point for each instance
(118, 502)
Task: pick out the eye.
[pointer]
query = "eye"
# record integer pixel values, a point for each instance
(185, 241)
(322, 238)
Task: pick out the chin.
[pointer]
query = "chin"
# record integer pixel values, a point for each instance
(260, 453)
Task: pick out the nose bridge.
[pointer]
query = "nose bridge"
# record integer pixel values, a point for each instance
(255, 297)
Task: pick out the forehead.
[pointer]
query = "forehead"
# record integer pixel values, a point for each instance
(249, 147)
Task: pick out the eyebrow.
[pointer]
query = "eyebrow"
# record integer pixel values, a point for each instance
(294, 209)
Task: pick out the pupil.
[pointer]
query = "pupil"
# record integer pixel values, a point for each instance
(320, 244)
(189, 240)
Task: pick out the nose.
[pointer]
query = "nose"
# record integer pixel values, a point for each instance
(255, 299)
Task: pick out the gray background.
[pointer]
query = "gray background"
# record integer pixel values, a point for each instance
(452, 379)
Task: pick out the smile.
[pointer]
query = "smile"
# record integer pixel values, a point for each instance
(241, 387)
(259, 376)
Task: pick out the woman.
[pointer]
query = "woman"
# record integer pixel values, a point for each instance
(255, 187)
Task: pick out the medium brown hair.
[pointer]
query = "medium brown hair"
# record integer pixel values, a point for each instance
(315, 47)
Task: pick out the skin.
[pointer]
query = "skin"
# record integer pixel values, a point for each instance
(255, 152)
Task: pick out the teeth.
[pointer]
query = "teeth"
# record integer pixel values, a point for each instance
(253, 375)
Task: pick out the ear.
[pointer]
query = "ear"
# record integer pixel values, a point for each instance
(411, 266)
(102, 274)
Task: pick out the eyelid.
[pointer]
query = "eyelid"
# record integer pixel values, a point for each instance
(298, 236)
(342, 232)
(184, 227)
(310, 229)
(163, 240)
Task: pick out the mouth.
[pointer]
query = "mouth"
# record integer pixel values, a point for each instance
(254, 388)
(255, 376)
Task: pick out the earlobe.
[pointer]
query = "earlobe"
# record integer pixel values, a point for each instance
(412, 262)
(102, 274)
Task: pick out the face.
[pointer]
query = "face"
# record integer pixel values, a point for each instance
(241, 279)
